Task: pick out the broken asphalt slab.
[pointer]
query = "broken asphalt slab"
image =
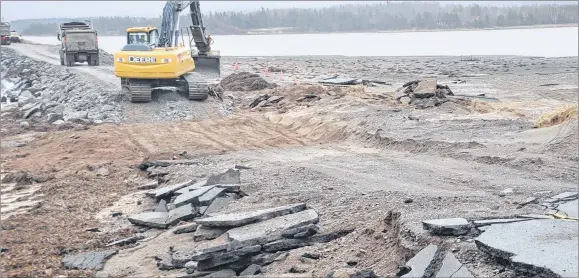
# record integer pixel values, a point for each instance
(231, 176)
(449, 226)
(268, 230)
(570, 208)
(162, 220)
(87, 260)
(191, 197)
(421, 261)
(542, 246)
(452, 268)
(244, 218)
(168, 190)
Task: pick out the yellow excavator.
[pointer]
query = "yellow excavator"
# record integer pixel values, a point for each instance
(158, 58)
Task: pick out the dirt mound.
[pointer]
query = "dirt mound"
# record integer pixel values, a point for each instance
(566, 140)
(286, 97)
(245, 81)
(557, 116)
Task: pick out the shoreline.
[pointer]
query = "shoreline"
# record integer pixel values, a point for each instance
(524, 27)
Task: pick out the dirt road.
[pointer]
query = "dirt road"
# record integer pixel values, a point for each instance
(353, 154)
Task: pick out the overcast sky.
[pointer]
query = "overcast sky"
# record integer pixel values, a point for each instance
(12, 10)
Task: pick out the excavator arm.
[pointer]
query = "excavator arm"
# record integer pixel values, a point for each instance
(206, 61)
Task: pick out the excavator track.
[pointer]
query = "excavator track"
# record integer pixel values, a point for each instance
(138, 90)
(197, 86)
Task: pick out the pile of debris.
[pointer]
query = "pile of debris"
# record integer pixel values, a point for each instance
(244, 241)
(53, 94)
(245, 81)
(188, 200)
(227, 244)
(517, 241)
(425, 93)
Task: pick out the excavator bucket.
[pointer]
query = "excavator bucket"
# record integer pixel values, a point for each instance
(208, 66)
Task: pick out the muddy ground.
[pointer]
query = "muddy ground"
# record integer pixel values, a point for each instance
(352, 153)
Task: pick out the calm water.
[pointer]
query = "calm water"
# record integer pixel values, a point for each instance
(547, 42)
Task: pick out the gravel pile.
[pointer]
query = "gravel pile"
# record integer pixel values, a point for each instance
(245, 81)
(55, 94)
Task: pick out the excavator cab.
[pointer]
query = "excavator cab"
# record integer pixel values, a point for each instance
(143, 36)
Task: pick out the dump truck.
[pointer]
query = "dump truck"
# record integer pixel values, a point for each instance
(79, 44)
(15, 37)
(5, 33)
(161, 57)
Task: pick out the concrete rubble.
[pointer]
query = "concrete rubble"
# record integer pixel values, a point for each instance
(543, 245)
(87, 260)
(424, 93)
(227, 244)
(187, 200)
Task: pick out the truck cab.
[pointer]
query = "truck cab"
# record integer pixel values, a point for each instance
(143, 36)
(15, 37)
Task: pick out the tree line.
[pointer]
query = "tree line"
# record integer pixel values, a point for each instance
(344, 18)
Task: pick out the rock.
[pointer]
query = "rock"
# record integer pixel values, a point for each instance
(88, 260)
(243, 218)
(164, 262)
(425, 88)
(58, 109)
(206, 233)
(102, 172)
(58, 122)
(229, 188)
(300, 232)
(538, 246)
(565, 195)
(31, 109)
(148, 186)
(125, 241)
(452, 268)
(227, 258)
(26, 98)
(330, 236)
(207, 198)
(421, 261)
(226, 273)
(150, 219)
(190, 188)
(408, 200)
(161, 206)
(217, 204)
(271, 229)
(167, 191)
(313, 256)
(297, 269)
(231, 176)
(77, 115)
(478, 223)
(251, 270)
(284, 244)
(192, 265)
(53, 117)
(182, 213)
(107, 108)
(24, 124)
(192, 197)
(185, 228)
(450, 226)
(506, 192)
(527, 201)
